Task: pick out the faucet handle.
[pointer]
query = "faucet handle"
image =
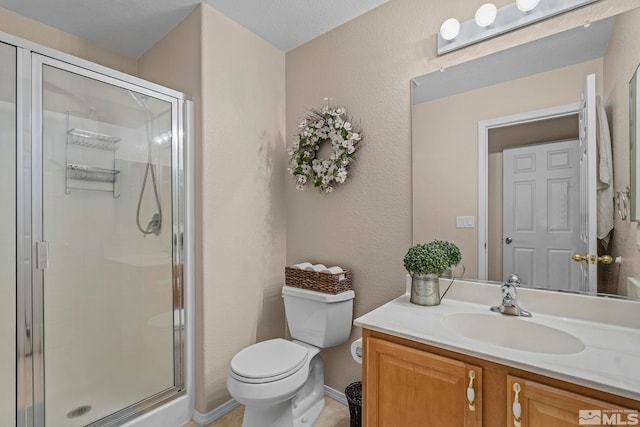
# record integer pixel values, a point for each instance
(514, 279)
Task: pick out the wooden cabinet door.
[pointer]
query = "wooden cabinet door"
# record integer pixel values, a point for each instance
(406, 387)
(546, 406)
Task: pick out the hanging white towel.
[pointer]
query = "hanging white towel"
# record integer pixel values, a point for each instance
(605, 176)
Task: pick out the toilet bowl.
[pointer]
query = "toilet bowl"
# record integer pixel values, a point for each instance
(280, 382)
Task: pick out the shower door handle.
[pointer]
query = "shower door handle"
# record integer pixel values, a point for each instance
(42, 255)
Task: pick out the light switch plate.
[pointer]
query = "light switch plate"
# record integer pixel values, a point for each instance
(465, 221)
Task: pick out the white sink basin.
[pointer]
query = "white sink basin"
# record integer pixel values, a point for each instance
(513, 332)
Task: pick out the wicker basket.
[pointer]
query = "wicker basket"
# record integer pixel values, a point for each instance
(328, 283)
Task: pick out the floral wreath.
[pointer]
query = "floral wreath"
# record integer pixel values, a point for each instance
(327, 125)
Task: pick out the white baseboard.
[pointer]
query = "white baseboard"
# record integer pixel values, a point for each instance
(219, 412)
(225, 408)
(335, 395)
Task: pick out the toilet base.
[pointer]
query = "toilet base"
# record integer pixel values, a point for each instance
(311, 416)
(277, 415)
(301, 411)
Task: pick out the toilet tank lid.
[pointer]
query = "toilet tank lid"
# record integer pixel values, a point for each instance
(317, 296)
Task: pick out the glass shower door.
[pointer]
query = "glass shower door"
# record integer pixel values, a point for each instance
(107, 253)
(8, 235)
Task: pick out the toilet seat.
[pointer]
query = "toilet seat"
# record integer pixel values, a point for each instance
(268, 361)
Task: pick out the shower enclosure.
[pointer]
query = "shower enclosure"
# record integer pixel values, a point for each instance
(92, 241)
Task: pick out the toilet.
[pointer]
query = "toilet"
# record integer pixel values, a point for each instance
(280, 382)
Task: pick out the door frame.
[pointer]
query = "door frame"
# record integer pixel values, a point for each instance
(483, 167)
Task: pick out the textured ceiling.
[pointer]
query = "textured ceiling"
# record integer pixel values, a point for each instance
(131, 27)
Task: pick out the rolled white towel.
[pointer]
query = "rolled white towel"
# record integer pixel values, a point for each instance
(301, 266)
(335, 270)
(316, 267)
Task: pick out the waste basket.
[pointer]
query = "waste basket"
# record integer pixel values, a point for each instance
(353, 392)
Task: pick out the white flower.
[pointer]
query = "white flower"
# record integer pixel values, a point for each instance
(347, 126)
(302, 179)
(300, 187)
(328, 189)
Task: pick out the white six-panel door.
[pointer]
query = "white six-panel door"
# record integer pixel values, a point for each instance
(541, 226)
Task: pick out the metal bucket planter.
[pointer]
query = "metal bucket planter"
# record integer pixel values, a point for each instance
(425, 289)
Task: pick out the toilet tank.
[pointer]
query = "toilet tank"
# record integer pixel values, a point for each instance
(316, 318)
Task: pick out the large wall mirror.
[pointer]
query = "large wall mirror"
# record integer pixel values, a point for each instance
(502, 139)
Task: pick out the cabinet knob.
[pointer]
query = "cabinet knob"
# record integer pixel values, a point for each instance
(517, 409)
(471, 393)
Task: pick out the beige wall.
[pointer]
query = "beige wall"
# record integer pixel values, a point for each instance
(621, 60)
(34, 31)
(366, 66)
(445, 143)
(237, 81)
(243, 223)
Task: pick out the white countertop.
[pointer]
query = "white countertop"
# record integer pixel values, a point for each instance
(609, 362)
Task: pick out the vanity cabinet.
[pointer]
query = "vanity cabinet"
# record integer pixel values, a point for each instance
(410, 387)
(406, 383)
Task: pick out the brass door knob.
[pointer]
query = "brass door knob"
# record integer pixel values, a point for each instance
(592, 259)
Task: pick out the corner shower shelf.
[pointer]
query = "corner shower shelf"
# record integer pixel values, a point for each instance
(81, 172)
(90, 173)
(90, 139)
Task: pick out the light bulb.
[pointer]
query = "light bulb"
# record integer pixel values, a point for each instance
(157, 140)
(166, 136)
(486, 15)
(527, 5)
(450, 29)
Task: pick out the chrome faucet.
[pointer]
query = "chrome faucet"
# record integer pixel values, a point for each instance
(509, 299)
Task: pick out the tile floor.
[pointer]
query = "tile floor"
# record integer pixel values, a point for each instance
(335, 414)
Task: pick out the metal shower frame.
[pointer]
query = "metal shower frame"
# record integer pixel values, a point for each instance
(31, 58)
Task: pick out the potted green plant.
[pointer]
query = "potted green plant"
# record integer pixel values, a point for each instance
(426, 262)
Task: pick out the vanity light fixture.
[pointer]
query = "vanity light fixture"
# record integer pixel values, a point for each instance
(490, 21)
